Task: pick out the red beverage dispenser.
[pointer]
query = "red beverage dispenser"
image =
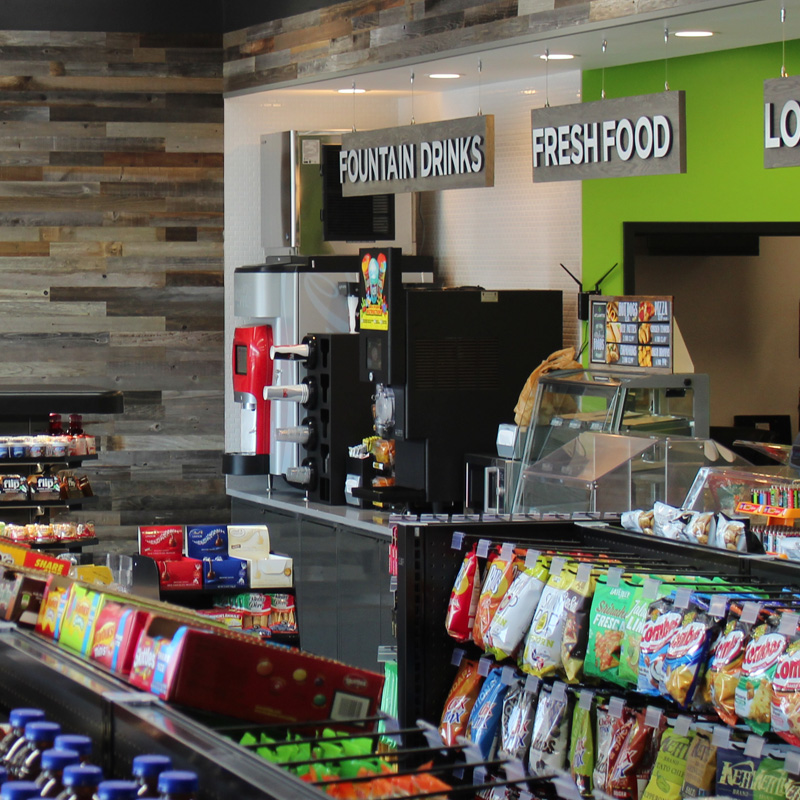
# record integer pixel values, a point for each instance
(252, 371)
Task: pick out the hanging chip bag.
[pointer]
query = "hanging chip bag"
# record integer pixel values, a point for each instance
(670, 767)
(701, 767)
(550, 737)
(581, 748)
(484, 719)
(519, 708)
(786, 694)
(606, 622)
(576, 625)
(499, 576)
(460, 701)
(662, 621)
(515, 613)
(464, 599)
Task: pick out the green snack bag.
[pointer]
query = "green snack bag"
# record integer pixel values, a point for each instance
(607, 620)
(670, 767)
(581, 745)
(770, 781)
(247, 739)
(628, 671)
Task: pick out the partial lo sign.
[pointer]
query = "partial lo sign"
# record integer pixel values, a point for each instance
(781, 122)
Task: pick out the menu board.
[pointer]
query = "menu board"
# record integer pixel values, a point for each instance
(632, 333)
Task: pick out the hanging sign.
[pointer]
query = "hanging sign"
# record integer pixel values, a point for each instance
(643, 135)
(632, 332)
(782, 122)
(454, 154)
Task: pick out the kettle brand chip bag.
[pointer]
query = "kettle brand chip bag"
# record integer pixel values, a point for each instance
(515, 613)
(701, 767)
(670, 768)
(464, 599)
(771, 781)
(607, 618)
(735, 773)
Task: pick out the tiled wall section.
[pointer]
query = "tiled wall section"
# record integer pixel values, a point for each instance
(511, 236)
(111, 176)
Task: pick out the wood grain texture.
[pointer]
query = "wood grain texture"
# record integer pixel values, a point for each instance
(111, 229)
(360, 34)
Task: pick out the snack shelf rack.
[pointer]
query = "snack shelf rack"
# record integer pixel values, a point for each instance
(776, 515)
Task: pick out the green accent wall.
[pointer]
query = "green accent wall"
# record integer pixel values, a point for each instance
(725, 179)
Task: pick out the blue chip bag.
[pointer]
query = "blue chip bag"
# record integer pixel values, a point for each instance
(662, 620)
(484, 720)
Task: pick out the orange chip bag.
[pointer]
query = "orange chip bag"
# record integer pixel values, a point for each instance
(499, 575)
(460, 700)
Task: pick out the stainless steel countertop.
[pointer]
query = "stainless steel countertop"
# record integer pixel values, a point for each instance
(253, 489)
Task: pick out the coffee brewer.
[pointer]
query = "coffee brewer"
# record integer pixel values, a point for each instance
(447, 366)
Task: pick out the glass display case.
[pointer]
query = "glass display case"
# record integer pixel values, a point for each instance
(596, 471)
(570, 402)
(718, 488)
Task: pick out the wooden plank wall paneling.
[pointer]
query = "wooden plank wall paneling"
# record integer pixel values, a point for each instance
(359, 35)
(111, 236)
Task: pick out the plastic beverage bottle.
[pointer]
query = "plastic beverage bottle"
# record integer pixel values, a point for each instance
(81, 744)
(54, 762)
(146, 769)
(116, 790)
(177, 785)
(80, 781)
(39, 736)
(18, 790)
(18, 719)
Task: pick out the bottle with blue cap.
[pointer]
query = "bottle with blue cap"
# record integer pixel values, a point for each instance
(81, 744)
(177, 784)
(18, 790)
(116, 790)
(15, 738)
(54, 761)
(80, 781)
(39, 736)
(146, 769)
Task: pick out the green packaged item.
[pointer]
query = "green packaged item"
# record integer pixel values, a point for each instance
(770, 781)
(581, 746)
(632, 633)
(607, 620)
(754, 691)
(670, 767)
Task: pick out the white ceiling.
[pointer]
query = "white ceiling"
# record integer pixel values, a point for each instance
(735, 24)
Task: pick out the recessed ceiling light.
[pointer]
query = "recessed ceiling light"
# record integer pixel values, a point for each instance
(351, 90)
(694, 34)
(444, 76)
(528, 91)
(556, 56)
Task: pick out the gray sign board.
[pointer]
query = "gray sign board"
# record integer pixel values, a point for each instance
(641, 135)
(453, 154)
(782, 122)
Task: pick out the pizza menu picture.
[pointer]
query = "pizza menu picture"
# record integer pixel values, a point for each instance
(632, 332)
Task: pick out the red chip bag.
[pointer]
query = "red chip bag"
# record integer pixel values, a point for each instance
(499, 575)
(462, 697)
(464, 599)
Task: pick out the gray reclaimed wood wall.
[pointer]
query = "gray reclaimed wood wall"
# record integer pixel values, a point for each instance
(111, 263)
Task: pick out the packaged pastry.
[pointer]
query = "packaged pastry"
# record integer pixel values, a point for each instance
(542, 653)
(550, 736)
(701, 767)
(499, 575)
(516, 724)
(460, 701)
(700, 528)
(638, 521)
(731, 534)
(669, 522)
(464, 599)
(576, 625)
(754, 694)
(610, 606)
(13, 488)
(515, 613)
